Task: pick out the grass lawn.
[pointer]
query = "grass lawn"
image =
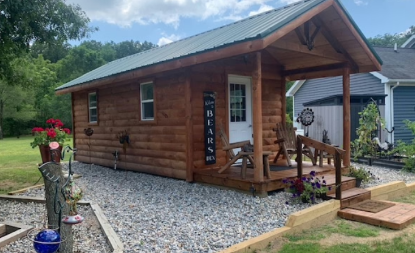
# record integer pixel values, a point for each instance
(343, 236)
(18, 163)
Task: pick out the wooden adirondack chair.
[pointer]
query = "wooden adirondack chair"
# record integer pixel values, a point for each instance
(287, 139)
(245, 153)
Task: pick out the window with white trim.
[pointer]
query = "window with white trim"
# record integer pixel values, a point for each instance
(93, 107)
(147, 101)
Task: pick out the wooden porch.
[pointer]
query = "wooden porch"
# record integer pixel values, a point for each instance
(231, 178)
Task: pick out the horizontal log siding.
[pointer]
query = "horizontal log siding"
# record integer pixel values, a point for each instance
(213, 77)
(157, 147)
(271, 105)
(160, 147)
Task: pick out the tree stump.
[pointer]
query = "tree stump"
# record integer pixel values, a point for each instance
(55, 202)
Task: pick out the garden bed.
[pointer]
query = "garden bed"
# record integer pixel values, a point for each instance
(393, 163)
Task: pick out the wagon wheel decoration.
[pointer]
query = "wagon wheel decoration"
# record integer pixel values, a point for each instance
(306, 118)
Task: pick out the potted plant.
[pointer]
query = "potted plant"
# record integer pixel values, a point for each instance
(360, 174)
(44, 136)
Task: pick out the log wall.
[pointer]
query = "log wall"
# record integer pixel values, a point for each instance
(163, 147)
(157, 147)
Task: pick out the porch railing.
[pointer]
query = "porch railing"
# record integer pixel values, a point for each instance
(337, 153)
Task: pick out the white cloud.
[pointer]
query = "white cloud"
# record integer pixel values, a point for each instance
(262, 8)
(166, 39)
(360, 2)
(289, 1)
(126, 12)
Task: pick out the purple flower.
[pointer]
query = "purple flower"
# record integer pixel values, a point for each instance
(324, 181)
(303, 178)
(329, 188)
(313, 173)
(313, 184)
(286, 202)
(318, 185)
(285, 181)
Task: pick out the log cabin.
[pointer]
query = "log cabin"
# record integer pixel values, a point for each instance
(171, 100)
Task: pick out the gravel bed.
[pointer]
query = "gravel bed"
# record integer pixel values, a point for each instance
(88, 236)
(157, 214)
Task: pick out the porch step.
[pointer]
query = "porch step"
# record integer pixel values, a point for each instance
(352, 196)
(347, 182)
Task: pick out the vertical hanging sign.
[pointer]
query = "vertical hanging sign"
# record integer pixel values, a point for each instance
(209, 111)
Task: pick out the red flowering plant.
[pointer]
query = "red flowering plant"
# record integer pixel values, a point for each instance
(54, 133)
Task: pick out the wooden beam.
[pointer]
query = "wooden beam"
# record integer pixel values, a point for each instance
(312, 75)
(296, 22)
(346, 115)
(212, 55)
(189, 128)
(334, 42)
(280, 44)
(357, 36)
(300, 36)
(313, 69)
(283, 100)
(257, 118)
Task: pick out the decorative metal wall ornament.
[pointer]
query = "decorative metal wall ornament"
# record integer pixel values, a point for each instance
(89, 132)
(306, 118)
(124, 139)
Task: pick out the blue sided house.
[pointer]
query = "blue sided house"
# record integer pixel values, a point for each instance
(393, 89)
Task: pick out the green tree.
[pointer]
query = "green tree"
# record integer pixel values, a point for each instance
(51, 52)
(48, 21)
(389, 40)
(289, 101)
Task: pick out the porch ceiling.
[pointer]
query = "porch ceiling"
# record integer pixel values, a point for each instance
(335, 46)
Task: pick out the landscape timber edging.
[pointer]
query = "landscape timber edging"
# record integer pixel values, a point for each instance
(112, 238)
(319, 214)
(391, 190)
(21, 231)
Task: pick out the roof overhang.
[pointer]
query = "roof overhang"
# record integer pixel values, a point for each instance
(296, 86)
(352, 52)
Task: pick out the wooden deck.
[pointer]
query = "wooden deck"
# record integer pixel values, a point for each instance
(231, 178)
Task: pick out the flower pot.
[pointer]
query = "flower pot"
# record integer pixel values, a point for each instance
(46, 154)
(358, 182)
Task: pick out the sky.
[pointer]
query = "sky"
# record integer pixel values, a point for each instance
(164, 21)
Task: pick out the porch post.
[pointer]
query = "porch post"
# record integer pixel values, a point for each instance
(257, 118)
(346, 115)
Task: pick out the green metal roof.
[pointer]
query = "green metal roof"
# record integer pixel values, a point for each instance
(252, 28)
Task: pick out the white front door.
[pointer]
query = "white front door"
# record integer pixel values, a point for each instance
(240, 108)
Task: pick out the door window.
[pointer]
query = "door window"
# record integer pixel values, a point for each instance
(237, 106)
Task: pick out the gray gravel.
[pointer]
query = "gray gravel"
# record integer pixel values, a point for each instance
(157, 214)
(88, 236)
